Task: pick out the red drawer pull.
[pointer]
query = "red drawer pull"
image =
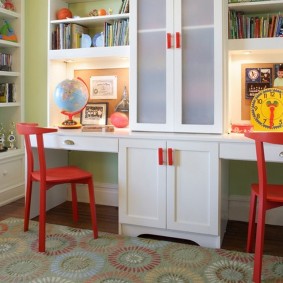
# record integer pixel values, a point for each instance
(160, 156)
(178, 40)
(169, 42)
(170, 156)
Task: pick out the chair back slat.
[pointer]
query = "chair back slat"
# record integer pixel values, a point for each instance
(28, 129)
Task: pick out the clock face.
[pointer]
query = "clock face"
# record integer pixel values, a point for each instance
(253, 74)
(267, 110)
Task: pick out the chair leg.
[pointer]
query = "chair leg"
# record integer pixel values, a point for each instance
(42, 219)
(251, 227)
(259, 241)
(27, 204)
(74, 202)
(92, 208)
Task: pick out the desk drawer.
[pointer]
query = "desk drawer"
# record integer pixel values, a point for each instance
(88, 143)
(246, 151)
(11, 172)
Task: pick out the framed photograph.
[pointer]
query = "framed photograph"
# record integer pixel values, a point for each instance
(95, 114)
(103, 87)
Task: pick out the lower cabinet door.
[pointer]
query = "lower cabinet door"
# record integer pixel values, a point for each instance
(193, 187)
(142, 182)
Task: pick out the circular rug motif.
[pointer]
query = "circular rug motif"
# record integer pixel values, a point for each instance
(77, 265)
(235, 255)
(56, 244)
(187, 256)
(23, 268)
(134, 259)
(51, 280)
(226, 271)
(273, 268)
(148, 243)
(103, 244)
(11, 247)
(76, 232)
(114, 277)
(172, 275)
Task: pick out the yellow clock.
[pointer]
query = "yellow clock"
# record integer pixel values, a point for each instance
(267, 110)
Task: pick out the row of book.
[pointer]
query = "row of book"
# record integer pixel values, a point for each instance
(68, 36)
(7, 92)
(116, 33)
(5, 62)
(252, 26)
(125, 7)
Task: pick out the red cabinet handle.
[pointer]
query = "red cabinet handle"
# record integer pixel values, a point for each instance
(160, 156)
(170, 156)
(169, 43)
(178, 40)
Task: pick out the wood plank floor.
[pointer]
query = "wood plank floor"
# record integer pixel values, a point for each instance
(107, 218)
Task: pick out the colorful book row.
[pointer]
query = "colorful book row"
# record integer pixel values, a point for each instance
(254, 26)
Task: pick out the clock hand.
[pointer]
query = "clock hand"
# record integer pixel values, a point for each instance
(272, 109)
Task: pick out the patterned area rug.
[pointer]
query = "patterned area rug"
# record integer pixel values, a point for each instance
(72, 255)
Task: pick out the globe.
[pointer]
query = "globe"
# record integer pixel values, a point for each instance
(71, 96)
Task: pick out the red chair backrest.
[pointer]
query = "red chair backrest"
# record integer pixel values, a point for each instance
(260, 138)
(28, 129)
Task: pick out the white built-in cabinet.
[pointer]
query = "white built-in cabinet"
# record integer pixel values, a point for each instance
(170, 188)
(176, 66)
(12, 108)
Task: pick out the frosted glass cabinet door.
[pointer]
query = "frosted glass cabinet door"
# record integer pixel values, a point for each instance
(150, 66)
(198, 66)
(176, 65)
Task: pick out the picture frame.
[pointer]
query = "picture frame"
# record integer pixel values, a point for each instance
(95, 114)
(103, 87)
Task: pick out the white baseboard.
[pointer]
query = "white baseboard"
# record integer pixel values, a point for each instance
(105, 194)
(239, 211)
(11, 194)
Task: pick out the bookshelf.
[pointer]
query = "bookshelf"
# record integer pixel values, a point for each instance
(11, 105)
(63, 63)
(248, 51)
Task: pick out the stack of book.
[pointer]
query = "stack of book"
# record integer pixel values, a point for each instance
(253, 26)
(5, 62)
(67, 36)
(116, 33)
(125, 7)
(7, 92)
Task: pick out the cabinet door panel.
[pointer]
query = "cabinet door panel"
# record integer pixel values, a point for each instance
(151, 77)
(142, 183)
(198, 77)
(192, 191)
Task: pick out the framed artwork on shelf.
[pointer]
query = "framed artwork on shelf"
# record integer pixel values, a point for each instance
(103, 87)
(95, 114)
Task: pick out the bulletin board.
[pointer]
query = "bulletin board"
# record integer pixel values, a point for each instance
(254, 77)
(122, 81)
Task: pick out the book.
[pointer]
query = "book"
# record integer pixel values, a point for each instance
(76, 34)
(98, 128)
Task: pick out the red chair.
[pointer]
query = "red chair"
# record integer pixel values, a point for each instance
(49, 177)
(268, 196)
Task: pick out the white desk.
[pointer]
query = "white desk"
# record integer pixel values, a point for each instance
(210, 229)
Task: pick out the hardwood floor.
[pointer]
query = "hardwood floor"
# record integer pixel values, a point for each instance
(107, 218)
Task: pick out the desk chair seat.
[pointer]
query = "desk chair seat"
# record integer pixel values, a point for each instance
(49, 177)
(265, 196)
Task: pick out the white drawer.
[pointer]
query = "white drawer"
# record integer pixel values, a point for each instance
(11, 172)
(79, 142)
(246, 151)
(88, 143)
